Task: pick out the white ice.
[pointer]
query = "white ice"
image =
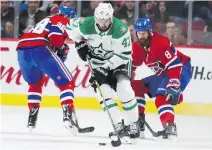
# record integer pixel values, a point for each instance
(195, 133)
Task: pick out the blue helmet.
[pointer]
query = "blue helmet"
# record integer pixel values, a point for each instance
(66, 11)
(143, 24)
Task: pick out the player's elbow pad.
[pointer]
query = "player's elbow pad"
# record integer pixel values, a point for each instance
(82, 49)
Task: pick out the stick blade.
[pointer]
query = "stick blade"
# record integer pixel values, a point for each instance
(86, 130)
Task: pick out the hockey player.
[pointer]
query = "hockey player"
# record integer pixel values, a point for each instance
(42, 51)
(106, 40)
(172, 74)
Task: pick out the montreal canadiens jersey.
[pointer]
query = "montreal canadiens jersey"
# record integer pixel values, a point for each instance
(48, 32)
(113, 46)
(161, 56)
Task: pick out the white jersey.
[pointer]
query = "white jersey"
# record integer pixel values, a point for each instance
(113, 47)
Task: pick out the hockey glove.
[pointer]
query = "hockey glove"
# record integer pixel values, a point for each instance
(63, 52)
(174, 93)
(82, 49)
(99, 74)
(93, 84)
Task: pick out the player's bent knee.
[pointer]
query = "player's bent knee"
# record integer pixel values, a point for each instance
(161, 100)
(38, 85)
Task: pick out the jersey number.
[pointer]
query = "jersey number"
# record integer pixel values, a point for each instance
(126, 42)
(40, 26)
(167, 54)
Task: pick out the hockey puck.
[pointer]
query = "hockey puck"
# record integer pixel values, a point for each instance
(102, 144)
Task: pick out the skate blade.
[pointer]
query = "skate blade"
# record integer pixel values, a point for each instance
(71, 128)
(169, 138)
(127, 140)
(30, 129)
(172, 137)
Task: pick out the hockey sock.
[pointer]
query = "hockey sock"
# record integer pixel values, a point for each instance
(139, 89)
(128, 100)
(34, 95)
(165, 110)
(67, 95)
(131, 110)
(111, 104)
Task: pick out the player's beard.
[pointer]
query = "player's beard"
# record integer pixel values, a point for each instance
(104, 29)
(143, 42)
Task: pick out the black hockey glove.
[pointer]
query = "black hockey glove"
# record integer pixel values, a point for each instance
(93, 84)
(63, 52)
(82, 49)
(100, 75)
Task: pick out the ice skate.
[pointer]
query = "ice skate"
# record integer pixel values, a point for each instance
(123, 133)
(32, 119)
(134, 130)
(69, 119)
(170, 131)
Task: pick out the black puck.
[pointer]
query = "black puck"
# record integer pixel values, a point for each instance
(102, 144)
(116, 143)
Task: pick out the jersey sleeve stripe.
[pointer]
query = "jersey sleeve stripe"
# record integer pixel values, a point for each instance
(176, 63)
(174, 66)
(55, 29)
(127, 53)
(172, 60)
(68, 28)
(173, 49)
(31, 39)
(122, 57)
(46, 29)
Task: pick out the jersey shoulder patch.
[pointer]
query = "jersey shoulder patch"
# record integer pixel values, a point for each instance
(86, 25)
(119, 28)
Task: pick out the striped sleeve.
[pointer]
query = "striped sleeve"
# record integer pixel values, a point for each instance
(56, 33)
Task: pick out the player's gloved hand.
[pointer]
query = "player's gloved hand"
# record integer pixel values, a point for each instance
(99, 74)
(82, 49)
(93, 83)
(63, 52)
(174, 93)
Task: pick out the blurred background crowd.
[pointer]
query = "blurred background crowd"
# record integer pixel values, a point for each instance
(183, 22)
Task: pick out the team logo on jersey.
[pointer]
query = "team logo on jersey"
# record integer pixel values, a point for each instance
(156, 67)
(123, 29)
(100, 52)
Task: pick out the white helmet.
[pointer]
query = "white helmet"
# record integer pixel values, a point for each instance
(104, 11)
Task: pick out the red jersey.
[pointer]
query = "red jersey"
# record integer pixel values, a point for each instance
(161, 56)
(49, 31)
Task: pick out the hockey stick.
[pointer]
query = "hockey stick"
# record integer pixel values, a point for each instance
(116, 142)
(155, 134)
(82, 130)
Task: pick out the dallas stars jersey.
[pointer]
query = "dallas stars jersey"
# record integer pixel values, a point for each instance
(113, 46)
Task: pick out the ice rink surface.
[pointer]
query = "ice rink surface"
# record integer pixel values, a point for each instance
(195, 133)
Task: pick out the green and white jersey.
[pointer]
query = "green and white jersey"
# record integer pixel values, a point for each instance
(113, 46)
